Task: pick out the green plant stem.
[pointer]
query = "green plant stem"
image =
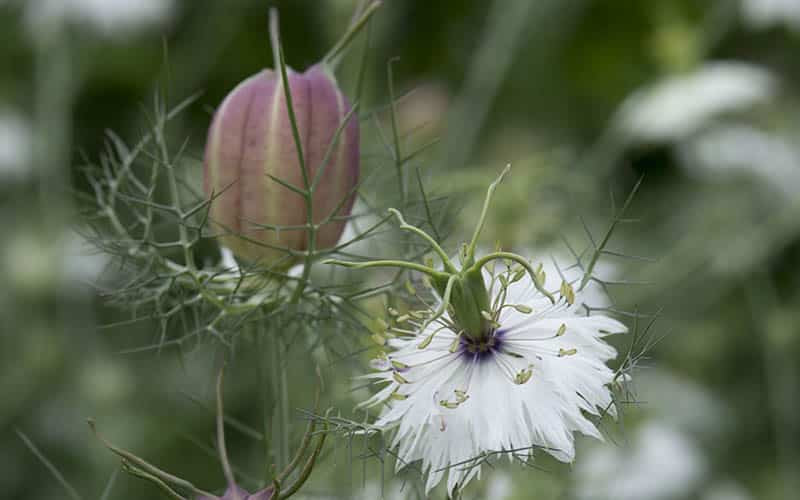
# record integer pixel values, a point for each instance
(439, 311)
(280, 424)
(470, 257)
(311, 228)
(396, 153)
(448, 265)
(333, 57)
(221, 448)
(388, 263)
(129, 458)
(521, 261)
(587, 275)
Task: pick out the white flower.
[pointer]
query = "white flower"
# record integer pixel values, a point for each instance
(679, 106)
(15, 147)
(113, 18)
(658, 451)
(529, 382)
(743, 149)
(762, 14)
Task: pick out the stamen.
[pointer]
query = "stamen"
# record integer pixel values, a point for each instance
(399, 378)
(398, 365)
(567, 292)
(567, 352)
(397, 396)
(524, 375)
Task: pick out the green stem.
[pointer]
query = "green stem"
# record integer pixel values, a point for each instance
(146, 466)
(599, 249)
(470, 257)
(433, 273)
(333, 57)
(221, 448)
(277, 49)
(263, 384)
(422, 234)
(280, 427)
(448, 289)
(521, 261)
(398, 155)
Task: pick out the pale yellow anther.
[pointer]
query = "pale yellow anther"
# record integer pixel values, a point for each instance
(378, 339)
(456, 342)
(567, 292)
(567, 352)
(399, 378)
(425, 343)
(561, 330)
(398, 365)
(523, 308)
(541, 276)
(523, 376)
(410, 288)
(398, 397)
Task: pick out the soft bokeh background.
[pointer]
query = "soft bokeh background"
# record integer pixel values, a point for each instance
(581, 96)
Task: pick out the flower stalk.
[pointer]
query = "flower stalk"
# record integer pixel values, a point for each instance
(462, 290)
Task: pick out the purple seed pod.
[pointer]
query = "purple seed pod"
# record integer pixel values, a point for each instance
(250, 143)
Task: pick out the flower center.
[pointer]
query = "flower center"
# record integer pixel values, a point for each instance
(483, 347)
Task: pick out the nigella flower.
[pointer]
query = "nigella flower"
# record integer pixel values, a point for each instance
(528, 382)
(507, 360)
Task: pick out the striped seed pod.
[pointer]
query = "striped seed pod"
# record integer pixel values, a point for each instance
(251, 144)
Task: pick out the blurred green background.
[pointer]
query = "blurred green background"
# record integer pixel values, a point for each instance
(582, 97)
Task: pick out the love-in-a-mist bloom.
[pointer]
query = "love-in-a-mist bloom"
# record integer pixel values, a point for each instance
(529, 380)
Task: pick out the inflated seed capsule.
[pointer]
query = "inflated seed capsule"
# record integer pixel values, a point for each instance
(253, 170)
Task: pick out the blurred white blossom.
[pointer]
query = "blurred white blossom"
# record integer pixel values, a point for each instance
(36, 263)
(765, 13)
(113, 18)
(679, 106)
(15, 147)
(500, 486)
(661, 463)
(743, 149)
(681, 402)
(82, 263)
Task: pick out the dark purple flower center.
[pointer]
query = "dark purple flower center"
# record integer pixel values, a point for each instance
(481, 348)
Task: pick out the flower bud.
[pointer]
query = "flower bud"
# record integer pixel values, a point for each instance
(250, 143)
